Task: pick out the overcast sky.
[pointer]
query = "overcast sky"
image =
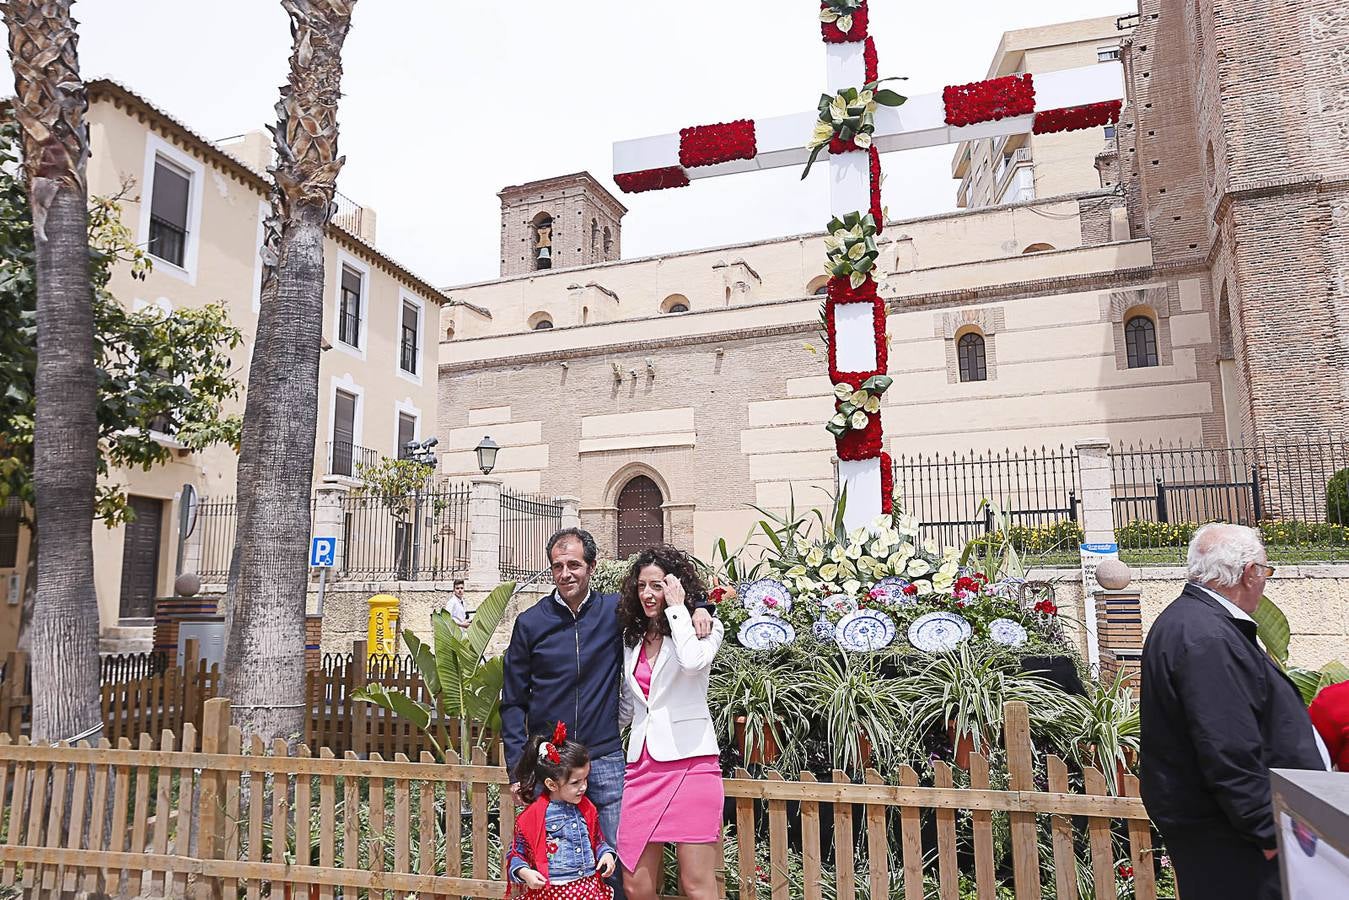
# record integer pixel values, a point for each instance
(448, 101)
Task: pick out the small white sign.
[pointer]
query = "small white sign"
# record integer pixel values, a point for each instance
(1092, 556)
(322, 552)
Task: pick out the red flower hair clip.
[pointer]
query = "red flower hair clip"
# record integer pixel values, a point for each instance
(560, 733)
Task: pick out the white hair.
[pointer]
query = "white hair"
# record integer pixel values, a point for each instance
(1219, 553)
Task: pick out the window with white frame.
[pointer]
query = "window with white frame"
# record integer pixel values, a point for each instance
(1107, 54)
(349, 313)
(170, 195)
(410, 337)
(407, 433)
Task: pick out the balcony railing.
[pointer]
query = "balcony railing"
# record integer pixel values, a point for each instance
(346, 458)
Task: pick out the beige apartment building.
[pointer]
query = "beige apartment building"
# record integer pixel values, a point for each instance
(198, 207)
(1020, 167)
(1180, 282)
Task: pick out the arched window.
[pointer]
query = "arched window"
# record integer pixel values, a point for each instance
(1140, 342)
(1038, 248)
(675, 303)
(641, 522)
(449, 332)
(970, 355)
(608, 242)
(540, 321)
(541, 231)
(818, 287)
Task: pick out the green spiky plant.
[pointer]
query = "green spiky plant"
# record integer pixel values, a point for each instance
(466, 686)
(1274, 632)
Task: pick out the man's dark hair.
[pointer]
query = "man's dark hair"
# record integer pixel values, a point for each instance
(588, 548)
(458, 582)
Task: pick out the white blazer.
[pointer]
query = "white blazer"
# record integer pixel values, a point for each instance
(675, 723)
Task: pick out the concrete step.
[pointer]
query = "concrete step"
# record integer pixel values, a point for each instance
(124, 638)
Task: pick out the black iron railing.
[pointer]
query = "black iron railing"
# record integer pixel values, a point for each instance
(957, 498)
(527, 521)
(1289, 490)
(167, 241)
(423, 536)
(346, 458)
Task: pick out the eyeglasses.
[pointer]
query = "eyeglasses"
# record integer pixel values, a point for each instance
(1267, 569)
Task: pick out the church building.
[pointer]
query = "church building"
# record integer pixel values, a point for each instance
(1178, 278)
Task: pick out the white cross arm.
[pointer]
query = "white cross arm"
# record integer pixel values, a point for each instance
(920, 122)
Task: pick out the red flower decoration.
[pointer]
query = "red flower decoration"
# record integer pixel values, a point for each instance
(870, 61)
(1126, 871)
(887, 485)
(985, 101)
(560, 733)
(652, 179)
(911, 589)
(838, 145)
(841, 291)
(1048, 607)
(832, 35)
(705, 145)
(716, 594)
(553, 756)
(552, 847)
(1076, 118)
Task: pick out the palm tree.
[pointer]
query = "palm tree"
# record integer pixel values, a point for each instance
(264, 670)
(50, 104)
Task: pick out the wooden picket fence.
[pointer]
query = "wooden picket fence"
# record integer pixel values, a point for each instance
(137, 696)
(232, 819)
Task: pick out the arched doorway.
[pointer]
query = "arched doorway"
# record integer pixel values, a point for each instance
(641, 521)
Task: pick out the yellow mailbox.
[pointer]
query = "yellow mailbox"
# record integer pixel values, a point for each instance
(382, 634)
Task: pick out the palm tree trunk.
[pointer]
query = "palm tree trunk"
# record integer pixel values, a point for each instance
(50, 105)
(264, 669)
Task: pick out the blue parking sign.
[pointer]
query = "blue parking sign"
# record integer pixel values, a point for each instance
(322, 552)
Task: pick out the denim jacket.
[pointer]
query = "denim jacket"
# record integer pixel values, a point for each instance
(570, 856)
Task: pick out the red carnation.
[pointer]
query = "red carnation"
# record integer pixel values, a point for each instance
(985, 101)
(1076, 118)
(911, 589)
(716, 594)
(652, 179)
(1126, 871)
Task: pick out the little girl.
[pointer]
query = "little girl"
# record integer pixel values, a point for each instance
(558, 852)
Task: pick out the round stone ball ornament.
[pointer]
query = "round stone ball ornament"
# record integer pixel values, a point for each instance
(1113, 575)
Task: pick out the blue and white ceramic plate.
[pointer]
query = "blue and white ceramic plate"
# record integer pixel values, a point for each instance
(891, 591)
(840, 603)
(1007, 632)
(865, 630)
(824, 630)
(767, 596)
(938, 632)
(766, 632)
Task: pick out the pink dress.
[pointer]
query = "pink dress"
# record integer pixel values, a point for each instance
(648, 816)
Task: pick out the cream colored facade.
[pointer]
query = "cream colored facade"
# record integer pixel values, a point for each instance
(227, 202)
(1022, 167)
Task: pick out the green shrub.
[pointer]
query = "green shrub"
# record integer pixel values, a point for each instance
(1337, 498)
(1034, 539)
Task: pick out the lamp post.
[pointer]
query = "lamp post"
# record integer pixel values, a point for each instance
(487, 454)
(419, 452)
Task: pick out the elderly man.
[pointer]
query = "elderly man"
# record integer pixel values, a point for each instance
(1217, 715)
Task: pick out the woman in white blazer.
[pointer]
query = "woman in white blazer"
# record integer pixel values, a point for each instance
(672, 792)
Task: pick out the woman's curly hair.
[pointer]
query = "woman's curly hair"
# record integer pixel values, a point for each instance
(670, 560)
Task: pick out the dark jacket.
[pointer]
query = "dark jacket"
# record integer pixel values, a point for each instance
(564, 667)
(1217, 715)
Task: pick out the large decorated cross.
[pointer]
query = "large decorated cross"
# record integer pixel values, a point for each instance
(855, 122)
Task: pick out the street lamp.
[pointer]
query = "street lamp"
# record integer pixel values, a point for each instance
(487, 454)
(421, 451)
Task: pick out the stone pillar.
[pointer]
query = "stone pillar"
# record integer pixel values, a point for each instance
(484, 526)
(571, 511)
(1098, 515)
(679, 525)
(328, 521)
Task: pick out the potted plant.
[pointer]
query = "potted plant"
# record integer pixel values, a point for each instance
(864, 712)
(962, 694)
(759, 700)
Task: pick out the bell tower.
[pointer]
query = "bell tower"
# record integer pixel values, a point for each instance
(558, 223)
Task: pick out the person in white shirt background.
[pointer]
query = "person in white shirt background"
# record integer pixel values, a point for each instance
(455, 605)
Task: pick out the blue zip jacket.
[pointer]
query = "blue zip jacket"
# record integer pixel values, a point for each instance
(565, 667)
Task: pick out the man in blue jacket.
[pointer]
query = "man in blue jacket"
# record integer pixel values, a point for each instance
(563, 664)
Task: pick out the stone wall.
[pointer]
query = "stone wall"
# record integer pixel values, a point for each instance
(1314, 597)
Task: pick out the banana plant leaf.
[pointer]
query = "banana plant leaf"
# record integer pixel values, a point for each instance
(396, 702)
(1271, 626)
